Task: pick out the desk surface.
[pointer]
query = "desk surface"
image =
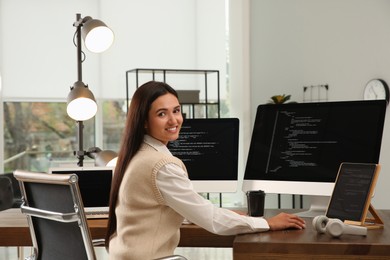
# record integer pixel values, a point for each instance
(14, 231)
(295, 244)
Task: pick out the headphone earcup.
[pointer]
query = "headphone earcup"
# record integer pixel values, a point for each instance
(335, 227)
(320, 223)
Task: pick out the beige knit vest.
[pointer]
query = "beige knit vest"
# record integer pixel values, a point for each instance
(146, 228)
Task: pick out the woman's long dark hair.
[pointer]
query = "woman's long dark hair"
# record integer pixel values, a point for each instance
(133, 136)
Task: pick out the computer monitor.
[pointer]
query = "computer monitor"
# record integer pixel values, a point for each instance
(209, 149)
(94, 183)
(297, 148)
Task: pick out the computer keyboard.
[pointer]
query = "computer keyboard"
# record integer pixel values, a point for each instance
(94, 215)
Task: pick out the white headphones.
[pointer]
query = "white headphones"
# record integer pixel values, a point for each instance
(335, 227)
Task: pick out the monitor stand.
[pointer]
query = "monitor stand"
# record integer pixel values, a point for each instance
(318, 206)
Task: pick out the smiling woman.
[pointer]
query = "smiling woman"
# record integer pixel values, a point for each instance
(164, 119)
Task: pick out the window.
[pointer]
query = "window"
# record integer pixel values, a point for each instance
(114, 118)
(38, 135)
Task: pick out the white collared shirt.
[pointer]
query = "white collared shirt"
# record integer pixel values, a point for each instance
(179, 194)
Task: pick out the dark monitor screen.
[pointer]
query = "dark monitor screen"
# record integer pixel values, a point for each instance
(209, 149)
(94, 183)
(307, 142)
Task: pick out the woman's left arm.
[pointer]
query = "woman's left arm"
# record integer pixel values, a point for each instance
(180, 195)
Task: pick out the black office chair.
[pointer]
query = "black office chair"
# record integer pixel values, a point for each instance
(55, 214)
(10, 197)
(17, 196)
(6, 193)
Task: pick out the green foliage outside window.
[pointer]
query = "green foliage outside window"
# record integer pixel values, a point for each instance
(38, 133)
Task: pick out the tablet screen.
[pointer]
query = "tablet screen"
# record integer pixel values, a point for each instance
(352, 192)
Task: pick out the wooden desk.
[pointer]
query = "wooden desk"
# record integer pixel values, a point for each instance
(14, 231)
(288, 244)
(308, 244)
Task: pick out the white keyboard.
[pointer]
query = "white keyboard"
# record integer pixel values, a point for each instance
(91, 213)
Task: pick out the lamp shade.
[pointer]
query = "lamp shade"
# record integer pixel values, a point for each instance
(103, 158)
(81, 102)
(97, 36)
(106, 158)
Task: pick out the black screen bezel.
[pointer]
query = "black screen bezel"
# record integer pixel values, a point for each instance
(327, 173)
(221, 166)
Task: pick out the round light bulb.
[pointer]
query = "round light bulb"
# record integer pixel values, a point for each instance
(99, 39)
(112, 163)
(81, 109)
(97, 36)
(81, 102)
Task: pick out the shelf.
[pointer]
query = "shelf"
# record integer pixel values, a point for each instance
(203, 107)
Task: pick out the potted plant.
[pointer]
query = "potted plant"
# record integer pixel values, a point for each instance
(280, 99)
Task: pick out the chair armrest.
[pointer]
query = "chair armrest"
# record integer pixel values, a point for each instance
(62, 217)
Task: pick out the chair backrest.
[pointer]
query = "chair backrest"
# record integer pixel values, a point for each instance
(12, 190)
(17, 196)
(6, 193)
(55, 214)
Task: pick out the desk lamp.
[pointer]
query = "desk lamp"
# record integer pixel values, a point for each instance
(81, 103)
(102, 158)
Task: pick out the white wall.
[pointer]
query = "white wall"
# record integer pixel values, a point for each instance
(37, 54)
(239, 74)
(173, 34)
(38, 57)
(296, 43)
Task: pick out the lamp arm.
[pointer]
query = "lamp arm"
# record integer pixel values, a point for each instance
(80, 153)
(78, 24)
(92, 152)
(79, 21)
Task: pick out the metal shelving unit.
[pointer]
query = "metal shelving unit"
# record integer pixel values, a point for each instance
(206, 82)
